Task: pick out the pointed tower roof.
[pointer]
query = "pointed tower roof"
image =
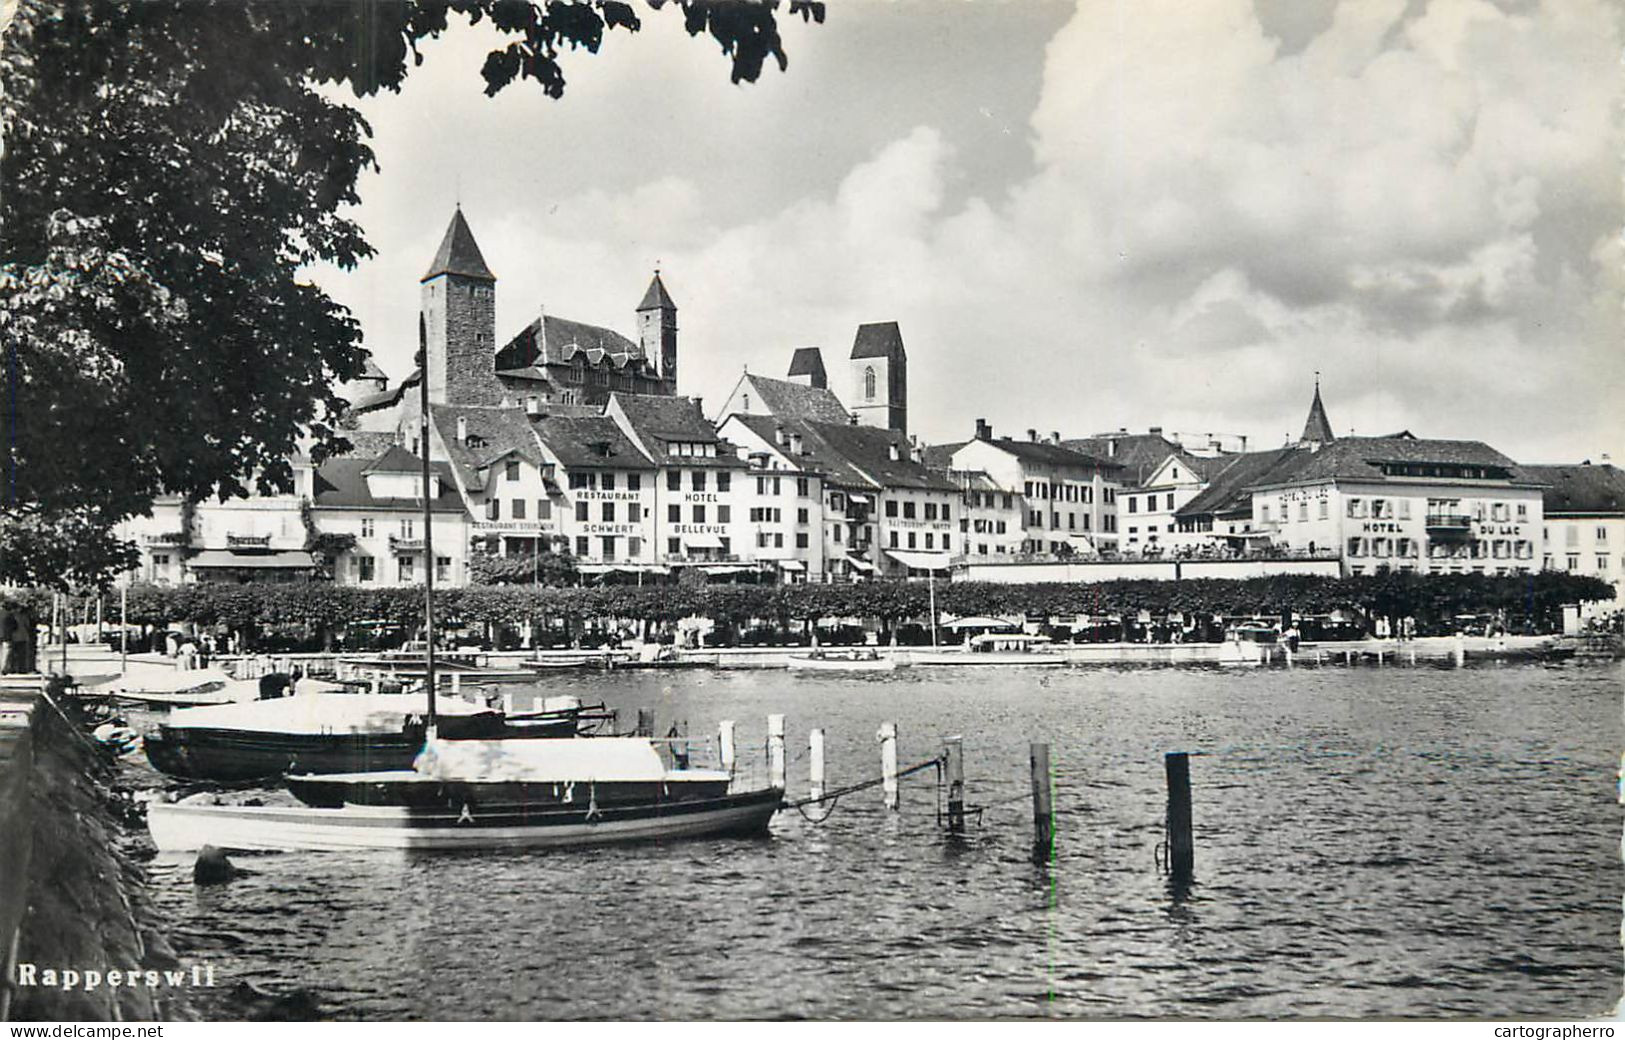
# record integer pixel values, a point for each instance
(878, 339)
(459, 253)
(1317, 429)
(657, 298)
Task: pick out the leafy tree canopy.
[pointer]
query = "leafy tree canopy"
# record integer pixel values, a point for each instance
(169, 169)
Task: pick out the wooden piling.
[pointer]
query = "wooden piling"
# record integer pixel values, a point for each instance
(815, 763)
(725, 743)
(775, 751)
(646, 722)
(456, 685)
(954, 748)
(377, 683)
(1460, 651)
(1043, 804)
(1181, 847)
(888, 762)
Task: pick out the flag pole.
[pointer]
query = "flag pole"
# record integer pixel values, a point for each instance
(428, 520)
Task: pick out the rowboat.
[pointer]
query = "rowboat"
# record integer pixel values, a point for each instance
(483, 794)
(838, 662)
(180, 688)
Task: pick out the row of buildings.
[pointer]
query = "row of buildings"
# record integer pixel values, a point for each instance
(571, 438)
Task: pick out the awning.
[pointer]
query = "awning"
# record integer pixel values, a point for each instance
(702, 541)
(853, 496)
(792, 565)
(625, 568)
(859, 565)
(225, 559)
(920, 561)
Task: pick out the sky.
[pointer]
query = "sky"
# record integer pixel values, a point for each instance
(1084, 217)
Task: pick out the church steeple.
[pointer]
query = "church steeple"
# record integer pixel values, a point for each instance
(459, 253)
(1317, 430)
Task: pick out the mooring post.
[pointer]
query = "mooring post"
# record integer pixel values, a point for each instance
(1461, 651)
(725, 741)
(888, 762)
(507, 702)
(1181, 849)
(1043, 805)
(815, 763)
(646, 722)
(377, 685)
(954, 751)
(775, 751)
(456, 685)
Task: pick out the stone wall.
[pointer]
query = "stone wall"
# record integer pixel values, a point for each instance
(84, 899)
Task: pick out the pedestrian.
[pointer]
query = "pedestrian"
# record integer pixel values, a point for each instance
(8, 630)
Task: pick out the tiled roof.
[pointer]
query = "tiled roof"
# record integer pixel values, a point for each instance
(767, 427)
(666, 418)
(1138, 453)
(1228, 490)
(868, 449)
(554, 340)
(589, 442)
(1582, 489)
(1359, 458)
(794, 401)
(1051, 454)
(367, 444)
(878, 339)
(495, 431)
(459, 253)
(658, 420)
(342, 484)
(808, 361)
(940, 457)
(395, 459)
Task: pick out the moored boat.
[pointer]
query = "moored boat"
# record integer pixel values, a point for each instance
(1004, 648)
(484, 794)
(860, 661)
(331, 733)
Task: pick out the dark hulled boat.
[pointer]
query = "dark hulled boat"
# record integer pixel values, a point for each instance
(330, 733)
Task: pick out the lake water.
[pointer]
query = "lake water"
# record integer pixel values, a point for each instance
(1370, 842)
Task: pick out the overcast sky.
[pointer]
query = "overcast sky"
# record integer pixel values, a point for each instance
(1118, 214)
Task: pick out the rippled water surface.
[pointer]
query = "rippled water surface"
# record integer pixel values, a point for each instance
(1370, 842)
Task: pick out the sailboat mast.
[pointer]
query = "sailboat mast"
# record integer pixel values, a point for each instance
(428, 518)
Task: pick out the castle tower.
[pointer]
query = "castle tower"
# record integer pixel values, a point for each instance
(657, 330)
(807, 368)
(459, 313)
(1317, 429)
(879, 373)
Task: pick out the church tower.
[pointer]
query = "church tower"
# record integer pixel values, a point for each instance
(458, 304)
(657, 331)
(1317, 429)
(879, 373)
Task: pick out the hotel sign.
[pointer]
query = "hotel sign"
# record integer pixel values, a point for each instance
(718, 529)
(598, 528)
(699, 496)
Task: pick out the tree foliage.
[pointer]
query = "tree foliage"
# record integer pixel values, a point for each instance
(170, 169)
(1434, 600)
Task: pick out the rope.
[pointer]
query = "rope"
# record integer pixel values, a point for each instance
(864, 785)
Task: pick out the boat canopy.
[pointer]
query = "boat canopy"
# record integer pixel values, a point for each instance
(319, 713)
(601, 759)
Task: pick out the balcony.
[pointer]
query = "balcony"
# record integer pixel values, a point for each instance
(399, 545)
(172, 539)
(234, 541)
(1449, 523)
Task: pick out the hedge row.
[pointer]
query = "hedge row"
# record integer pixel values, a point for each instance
(322, 605)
